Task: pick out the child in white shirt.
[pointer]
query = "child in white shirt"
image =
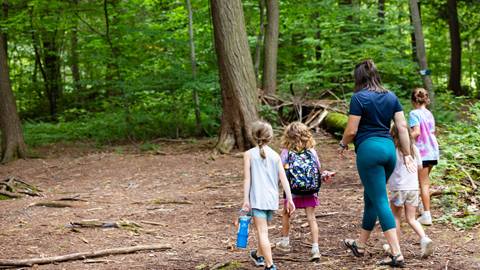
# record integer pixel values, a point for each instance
(404, 194)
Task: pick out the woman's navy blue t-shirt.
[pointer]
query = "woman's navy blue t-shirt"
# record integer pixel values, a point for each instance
(377, 111)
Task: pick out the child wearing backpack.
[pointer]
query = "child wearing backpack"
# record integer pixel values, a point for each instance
(262, 171)
(422, 124)
(302, 167)
(404, 194)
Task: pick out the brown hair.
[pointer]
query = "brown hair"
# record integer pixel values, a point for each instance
(297, 136)
(262, 133)
(420, 96)
(396, 139)
(367, 77)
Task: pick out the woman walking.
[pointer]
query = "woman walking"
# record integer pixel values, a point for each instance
(372, 108)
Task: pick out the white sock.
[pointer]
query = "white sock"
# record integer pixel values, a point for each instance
(315, 247)
(285, 239)
(427, 214)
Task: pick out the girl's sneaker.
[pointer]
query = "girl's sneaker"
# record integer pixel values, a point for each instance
(315, 256)
(258, 260)
(426, 245)
(425, 219)
(273, 267)
(283, 245)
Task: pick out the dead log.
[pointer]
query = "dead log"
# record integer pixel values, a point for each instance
(335, 122)
(81, 255)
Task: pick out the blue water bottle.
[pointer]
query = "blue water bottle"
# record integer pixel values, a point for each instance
(242, 235)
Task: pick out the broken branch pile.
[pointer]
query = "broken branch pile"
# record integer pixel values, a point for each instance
(13, 187)
(315, 113)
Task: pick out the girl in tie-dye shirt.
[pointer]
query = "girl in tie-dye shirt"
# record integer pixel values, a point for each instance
(422, 124)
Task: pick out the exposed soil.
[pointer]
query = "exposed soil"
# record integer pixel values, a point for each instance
(201, 196)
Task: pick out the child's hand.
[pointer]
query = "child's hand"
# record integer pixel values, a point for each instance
(327, 176)
(290, 207)
(246, 206)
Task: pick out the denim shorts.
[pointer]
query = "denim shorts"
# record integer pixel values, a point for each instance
(265, 214)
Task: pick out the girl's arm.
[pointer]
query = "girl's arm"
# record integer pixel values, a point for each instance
(401, 125)
(286, 187)
(351, 129)
(246, 182)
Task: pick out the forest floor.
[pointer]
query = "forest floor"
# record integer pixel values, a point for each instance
(186, 198)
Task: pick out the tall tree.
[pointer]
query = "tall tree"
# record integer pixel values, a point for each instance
(12, 137)
(193, 61)
(381, 13)
(74, 51)
(454, 82)
(420, 48)
(271, 48)
(259, 43)
(237, 78)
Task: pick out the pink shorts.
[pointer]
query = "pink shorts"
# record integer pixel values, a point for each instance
(304, 201)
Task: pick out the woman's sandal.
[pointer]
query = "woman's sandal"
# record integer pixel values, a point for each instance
(393, 261)
(353, 246)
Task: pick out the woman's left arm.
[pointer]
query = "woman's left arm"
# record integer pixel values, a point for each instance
(350, 131)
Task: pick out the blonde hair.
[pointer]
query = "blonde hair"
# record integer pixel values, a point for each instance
(297, 136)
(262, 133)
(396, 139)
(420, 96)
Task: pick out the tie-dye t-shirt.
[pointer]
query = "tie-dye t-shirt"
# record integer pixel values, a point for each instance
(426, 142)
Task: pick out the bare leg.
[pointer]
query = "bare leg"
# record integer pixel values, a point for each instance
(259, 250)
(364, 236)
(312, 222)
(425, 187)
(410, 216)
(285, 222)
(391, 236)
(397, 213)
(263, 242)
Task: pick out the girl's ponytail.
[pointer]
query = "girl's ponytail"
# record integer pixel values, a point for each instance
(262, 133)
(262, 151)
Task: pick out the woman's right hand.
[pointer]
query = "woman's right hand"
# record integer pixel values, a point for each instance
(246, 206)
(410, 164)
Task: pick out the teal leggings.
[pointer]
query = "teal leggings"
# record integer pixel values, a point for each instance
(376, 160)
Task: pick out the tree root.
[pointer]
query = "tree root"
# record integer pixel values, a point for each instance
(82, 255)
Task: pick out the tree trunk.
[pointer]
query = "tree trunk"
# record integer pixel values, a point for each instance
(237, 78)
(196, 103)
(381, 14)
(271, 48)
(454, 83)
(12, 143)
(113, 71)
(74, 54)
(52, 71)
(420, 48)
(258, 46)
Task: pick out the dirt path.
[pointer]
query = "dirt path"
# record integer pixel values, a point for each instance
(124, 186)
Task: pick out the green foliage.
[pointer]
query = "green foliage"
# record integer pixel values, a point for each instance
(459, 166)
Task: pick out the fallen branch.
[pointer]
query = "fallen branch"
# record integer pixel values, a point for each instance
(469, 177)
(326, 214)
(82, 255)
(52, 204)
(9, 194)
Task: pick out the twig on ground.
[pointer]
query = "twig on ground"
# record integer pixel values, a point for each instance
(82, 255)
(326, 214)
